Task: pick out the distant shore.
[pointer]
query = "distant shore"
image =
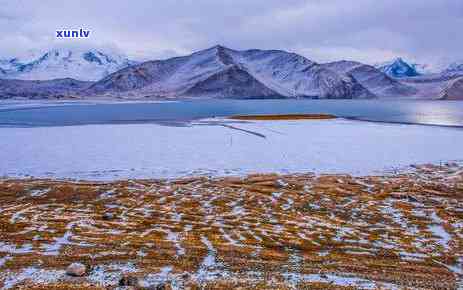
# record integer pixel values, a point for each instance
(276, 117)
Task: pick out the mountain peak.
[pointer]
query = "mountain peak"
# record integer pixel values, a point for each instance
(219, 47)
(225, 73)
(400, 61)
(398, 68)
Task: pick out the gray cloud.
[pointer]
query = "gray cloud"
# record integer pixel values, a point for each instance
(323, 30)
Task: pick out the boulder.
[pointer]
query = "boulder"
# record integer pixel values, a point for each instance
(127, 280)
(76, 270)
(107, 216)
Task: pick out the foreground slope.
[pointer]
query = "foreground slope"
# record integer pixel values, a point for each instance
(301, 231)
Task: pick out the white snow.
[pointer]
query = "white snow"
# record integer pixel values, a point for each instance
(13, 249)
(283, 72)
(438, 230)
(54, 248)
(39, 192)
(357, 283)
(335, 146)
(109, 275)
(161, 277)
(210, 268)
(81, 64)
(40, 276)
(4, 260)
(174, 238)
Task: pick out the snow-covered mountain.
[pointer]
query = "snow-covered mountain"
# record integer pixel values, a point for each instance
(454, 68)
(399, 68)
(217, 72)
(372, 78)
(225, 73)
(86, 65)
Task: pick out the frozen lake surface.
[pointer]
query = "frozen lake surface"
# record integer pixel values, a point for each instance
(43, 113)
(116, 151)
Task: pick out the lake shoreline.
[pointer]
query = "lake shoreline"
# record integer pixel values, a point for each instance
(48, 113)
(282, 117)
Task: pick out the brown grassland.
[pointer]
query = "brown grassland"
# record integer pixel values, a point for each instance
(299, 231)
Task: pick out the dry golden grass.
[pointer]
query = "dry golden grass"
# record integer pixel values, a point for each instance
(377, 229)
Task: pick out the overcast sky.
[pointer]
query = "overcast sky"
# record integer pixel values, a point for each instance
(322, 30)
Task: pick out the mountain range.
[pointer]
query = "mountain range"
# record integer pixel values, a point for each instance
(85, 65)
(218, 72)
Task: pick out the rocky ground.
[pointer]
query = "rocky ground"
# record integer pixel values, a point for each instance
(402, 231)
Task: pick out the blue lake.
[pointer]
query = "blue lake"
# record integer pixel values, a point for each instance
(443, 113)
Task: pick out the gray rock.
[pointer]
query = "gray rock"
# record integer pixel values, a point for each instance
(107, 216)
(128, 280)
(76, 270)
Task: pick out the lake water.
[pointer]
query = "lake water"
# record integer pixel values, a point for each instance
(129, 140)
(444, 113)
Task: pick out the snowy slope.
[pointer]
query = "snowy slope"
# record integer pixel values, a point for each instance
(40, 89)
(294, 75)
(372, 78)
(398, 68)
(425, 69)
(454, 90)
(87, 65)
(455, 68)
(223, 72)
(168, 78)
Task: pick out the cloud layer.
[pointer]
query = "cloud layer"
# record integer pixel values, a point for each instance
(323, 30)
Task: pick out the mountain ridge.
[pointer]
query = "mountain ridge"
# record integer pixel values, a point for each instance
(85, 65)
(218, 72)
(278, 73)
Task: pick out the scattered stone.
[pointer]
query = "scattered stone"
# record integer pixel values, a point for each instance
(451, 164)
(127, 280)
(280, 184)
(107, 216)
(403, 196)
(412, 199)
(76, 270)
(160, 286)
